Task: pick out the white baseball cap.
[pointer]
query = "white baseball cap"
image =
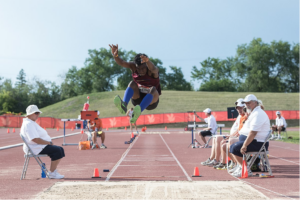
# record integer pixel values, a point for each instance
(207, 110)
(278, 113)
(239, 100)
(98, 112)
(240, 104)
(32, 109)
(250, 97)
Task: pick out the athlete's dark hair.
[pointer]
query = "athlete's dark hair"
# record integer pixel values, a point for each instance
(137, 58)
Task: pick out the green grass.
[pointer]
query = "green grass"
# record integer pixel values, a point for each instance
(294, 137)
(170, 101)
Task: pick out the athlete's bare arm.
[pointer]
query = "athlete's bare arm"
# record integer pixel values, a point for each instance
(150, 65)
(119, 61)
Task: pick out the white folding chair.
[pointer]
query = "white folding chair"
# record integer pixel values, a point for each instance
(263, 153)
(29, 155)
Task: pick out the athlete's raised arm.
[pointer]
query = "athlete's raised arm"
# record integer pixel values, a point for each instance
(119, 61)
(150, 65)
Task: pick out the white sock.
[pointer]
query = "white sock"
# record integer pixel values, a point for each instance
(272, 135)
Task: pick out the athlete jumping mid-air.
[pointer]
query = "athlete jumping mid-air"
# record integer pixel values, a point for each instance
(144, 90)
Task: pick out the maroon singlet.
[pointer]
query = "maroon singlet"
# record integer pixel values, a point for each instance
(145, 82)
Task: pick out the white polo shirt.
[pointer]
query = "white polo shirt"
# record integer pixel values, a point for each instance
(211, 123)
(31, 130)
(258, 121)
(235, 125)
(281, 121)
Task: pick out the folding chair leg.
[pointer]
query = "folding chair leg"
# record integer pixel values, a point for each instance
(24, 168)
(268, 163)
(207, 143)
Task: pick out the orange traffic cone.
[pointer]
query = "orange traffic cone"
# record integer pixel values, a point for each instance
(45, 128)
(14, 130)
(72, 129)
(81, 131)
(196, 172)
(244, 169)
(132, 136)
(107, 129)
(165, 128)
(57, 129)
(145, 127)
(125, 127)
(8, 130)
(96, 173)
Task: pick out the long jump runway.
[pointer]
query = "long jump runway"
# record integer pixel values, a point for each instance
(156, 165)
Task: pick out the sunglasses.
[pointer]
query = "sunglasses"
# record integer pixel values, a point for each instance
(37, 113)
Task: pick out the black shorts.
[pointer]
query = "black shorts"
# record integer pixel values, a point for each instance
(54, 152)
(282, 129)
(253, 146)
(139, 100)
(205, 133)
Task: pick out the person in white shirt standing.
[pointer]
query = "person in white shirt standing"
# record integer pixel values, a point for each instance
(129, 114)
(279, 126)
(253, 133)
(211, 125)
(39, 141)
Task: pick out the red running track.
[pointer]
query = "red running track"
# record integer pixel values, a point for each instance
(159, 157)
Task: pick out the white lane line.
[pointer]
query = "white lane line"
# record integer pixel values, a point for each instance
(121, 159)
(288, 148)
(21, 144)
(187, 176)
(284, 159)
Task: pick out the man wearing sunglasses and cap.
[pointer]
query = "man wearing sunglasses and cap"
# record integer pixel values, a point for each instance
(39, 141)
(95, 126)
(253, 133)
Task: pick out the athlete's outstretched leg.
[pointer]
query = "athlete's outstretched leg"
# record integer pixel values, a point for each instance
(132, 91)
(150, 98)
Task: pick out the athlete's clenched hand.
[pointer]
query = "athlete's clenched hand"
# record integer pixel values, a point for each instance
(144, 59)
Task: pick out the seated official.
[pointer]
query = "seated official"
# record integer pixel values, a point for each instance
(253, 134)
(95, 126)
(39, 141)
(279, 126)
(211, 125)
(222, 140)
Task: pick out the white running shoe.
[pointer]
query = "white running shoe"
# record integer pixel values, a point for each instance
(55, 175)
(233, 170)
(212, 163)
(238, 172)
(206, 162)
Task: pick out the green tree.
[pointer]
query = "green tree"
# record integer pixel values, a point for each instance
(215, 75)
(175, 80)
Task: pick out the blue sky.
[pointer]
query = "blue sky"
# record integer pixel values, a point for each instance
(46, 38)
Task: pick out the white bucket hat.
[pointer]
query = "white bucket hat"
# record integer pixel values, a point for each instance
(278, 113)
(207, 110)
(32, 109)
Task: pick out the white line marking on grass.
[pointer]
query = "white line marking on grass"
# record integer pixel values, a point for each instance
(121, 159)
(188, 177)
(21, 144)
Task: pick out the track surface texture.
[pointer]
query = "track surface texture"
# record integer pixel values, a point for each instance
(156, 156)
